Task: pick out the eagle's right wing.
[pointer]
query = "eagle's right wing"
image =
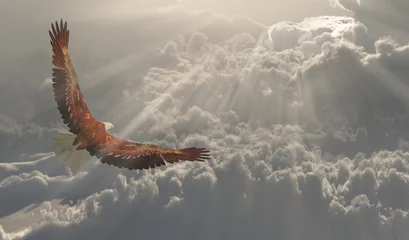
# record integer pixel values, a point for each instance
(67, 93)
(132, 155)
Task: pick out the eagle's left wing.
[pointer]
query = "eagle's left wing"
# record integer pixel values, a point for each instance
(67, 93)
(132, 155)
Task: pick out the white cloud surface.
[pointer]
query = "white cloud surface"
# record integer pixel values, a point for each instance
(382, 16)
(306, 123)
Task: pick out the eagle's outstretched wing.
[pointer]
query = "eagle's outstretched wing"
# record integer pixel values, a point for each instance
(67, 93)
(131, 155)
(91, 134)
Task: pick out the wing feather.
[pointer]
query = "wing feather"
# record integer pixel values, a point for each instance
(131, 155)
(67, 93)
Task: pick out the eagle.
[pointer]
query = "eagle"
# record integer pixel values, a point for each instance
(86, 134)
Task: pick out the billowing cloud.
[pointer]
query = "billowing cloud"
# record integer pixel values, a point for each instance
(382, 16)
(305, 122)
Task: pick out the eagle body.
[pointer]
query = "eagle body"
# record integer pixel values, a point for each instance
(86, 134)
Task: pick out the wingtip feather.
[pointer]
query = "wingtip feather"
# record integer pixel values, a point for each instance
(187, 154)
(59, 35)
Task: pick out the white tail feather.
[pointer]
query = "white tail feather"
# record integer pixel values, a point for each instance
(66, 152)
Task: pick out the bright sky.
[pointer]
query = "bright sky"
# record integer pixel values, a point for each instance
(265, 11)
(307, 121)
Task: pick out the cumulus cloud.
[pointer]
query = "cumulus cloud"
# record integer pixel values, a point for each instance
(383, 16)
(305, 122)
(313, 195)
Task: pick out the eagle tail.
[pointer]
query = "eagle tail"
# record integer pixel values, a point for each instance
(59, 42)
(187, 154)
(66, 152)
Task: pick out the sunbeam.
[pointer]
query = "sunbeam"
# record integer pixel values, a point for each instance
(303, 113)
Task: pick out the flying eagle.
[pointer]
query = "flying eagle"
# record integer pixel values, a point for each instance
(88, 134)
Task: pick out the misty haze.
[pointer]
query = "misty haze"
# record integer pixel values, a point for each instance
(303, 106)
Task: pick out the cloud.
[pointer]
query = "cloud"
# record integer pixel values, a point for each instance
(3, 235)
(202, 198)
(15, 134)
(305, 122)
(383, 17)
(44, 161)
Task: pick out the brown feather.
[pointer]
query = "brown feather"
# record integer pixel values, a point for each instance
(91, 134)
(144, 156)
(67, 94)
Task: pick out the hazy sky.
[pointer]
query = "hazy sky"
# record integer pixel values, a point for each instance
(266, 12)
(303, 104)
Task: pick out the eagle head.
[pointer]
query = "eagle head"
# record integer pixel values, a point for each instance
(108, 125)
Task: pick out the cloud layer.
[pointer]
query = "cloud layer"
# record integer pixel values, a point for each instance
(305, 122)
(384, 17)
